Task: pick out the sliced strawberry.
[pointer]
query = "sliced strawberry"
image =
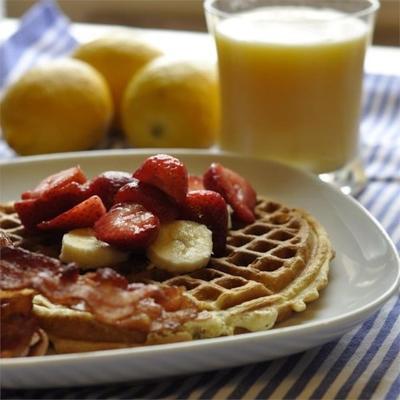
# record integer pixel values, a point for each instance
(150, 197)
(33, 211)
(56, 182)
(166, 173)
(209, 208)
(107, 184)
(195, 182)
(83, 215)
(236, 191)
(128, 226)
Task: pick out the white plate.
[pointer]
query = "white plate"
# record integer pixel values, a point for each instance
(364, 274)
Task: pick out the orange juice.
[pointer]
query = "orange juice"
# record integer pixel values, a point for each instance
(291, 80)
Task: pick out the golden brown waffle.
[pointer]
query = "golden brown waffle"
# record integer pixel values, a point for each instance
(72, 331)
(272, 267)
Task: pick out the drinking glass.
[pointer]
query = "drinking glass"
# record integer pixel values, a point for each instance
(291, 77)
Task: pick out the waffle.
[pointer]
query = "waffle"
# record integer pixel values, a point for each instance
(72, 331)
(271, 268)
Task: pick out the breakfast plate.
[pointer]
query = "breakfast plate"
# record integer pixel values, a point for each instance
(363, 276)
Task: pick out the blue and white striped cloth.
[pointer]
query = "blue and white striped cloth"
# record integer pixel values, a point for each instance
(364, 363)
(43, 34)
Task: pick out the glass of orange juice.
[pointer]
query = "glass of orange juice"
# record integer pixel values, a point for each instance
(291, 77)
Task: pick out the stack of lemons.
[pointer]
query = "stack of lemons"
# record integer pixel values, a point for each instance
(119, 82)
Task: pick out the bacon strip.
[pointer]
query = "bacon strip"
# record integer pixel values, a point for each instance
(104, 293)
(18, 325)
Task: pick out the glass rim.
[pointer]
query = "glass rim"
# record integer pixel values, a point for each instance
(373, 5)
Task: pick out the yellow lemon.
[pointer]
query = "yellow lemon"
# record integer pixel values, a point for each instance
(63, 105)
(117, 57)
(172, 103)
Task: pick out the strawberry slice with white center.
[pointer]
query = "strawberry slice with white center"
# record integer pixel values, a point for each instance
(128, 227)
(166, 173)
(236, 191)
(83, 215)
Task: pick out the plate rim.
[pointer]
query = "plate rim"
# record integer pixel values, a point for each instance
(11, 363)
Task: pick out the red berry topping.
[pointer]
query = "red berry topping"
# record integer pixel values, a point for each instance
(83, 215)
(36, 210)
(208, 208)
(150, 197)
(236, 191)
(128, 226)
(107, 184)
(55, 182)
(167, 173)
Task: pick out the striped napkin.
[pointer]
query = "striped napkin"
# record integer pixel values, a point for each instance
(43, 34)
(364, 363)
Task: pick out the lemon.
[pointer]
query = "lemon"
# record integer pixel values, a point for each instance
(117, 57)
(63, 105)
(172, 103)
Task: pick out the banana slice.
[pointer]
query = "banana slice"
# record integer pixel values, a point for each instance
(181, 246)
(82, 246)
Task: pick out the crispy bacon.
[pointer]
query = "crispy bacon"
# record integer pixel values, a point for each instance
(18, 325)
(104, 293)
(22, 269)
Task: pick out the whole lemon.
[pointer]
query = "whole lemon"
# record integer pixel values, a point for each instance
(63, 105)
(117, 57)
(172, 103)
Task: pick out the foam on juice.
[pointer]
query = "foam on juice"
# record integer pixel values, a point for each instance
(292, 26)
